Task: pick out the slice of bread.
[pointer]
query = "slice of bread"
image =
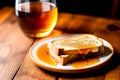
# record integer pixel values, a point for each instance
(69, 49)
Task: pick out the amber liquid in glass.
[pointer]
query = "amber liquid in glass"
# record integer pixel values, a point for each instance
(37, 19)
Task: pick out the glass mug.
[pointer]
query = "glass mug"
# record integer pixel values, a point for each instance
(37, 18)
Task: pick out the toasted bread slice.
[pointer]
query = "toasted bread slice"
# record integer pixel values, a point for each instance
(68, 49)
(77, 45)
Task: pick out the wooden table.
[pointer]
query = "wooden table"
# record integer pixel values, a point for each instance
(16, 64)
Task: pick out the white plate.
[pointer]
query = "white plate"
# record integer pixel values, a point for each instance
(67, 68)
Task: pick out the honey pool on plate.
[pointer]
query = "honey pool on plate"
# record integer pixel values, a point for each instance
(43, 54)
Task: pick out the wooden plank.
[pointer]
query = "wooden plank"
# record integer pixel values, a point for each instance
(5, 12)
(29, 71)
(116, 75)
(83, 78)
(13, 46)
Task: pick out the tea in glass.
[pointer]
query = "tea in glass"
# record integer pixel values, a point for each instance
(37, 19)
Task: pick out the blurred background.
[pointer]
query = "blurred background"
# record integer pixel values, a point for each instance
(99, 8)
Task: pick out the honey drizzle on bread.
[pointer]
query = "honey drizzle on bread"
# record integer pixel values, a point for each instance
(78, 42)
